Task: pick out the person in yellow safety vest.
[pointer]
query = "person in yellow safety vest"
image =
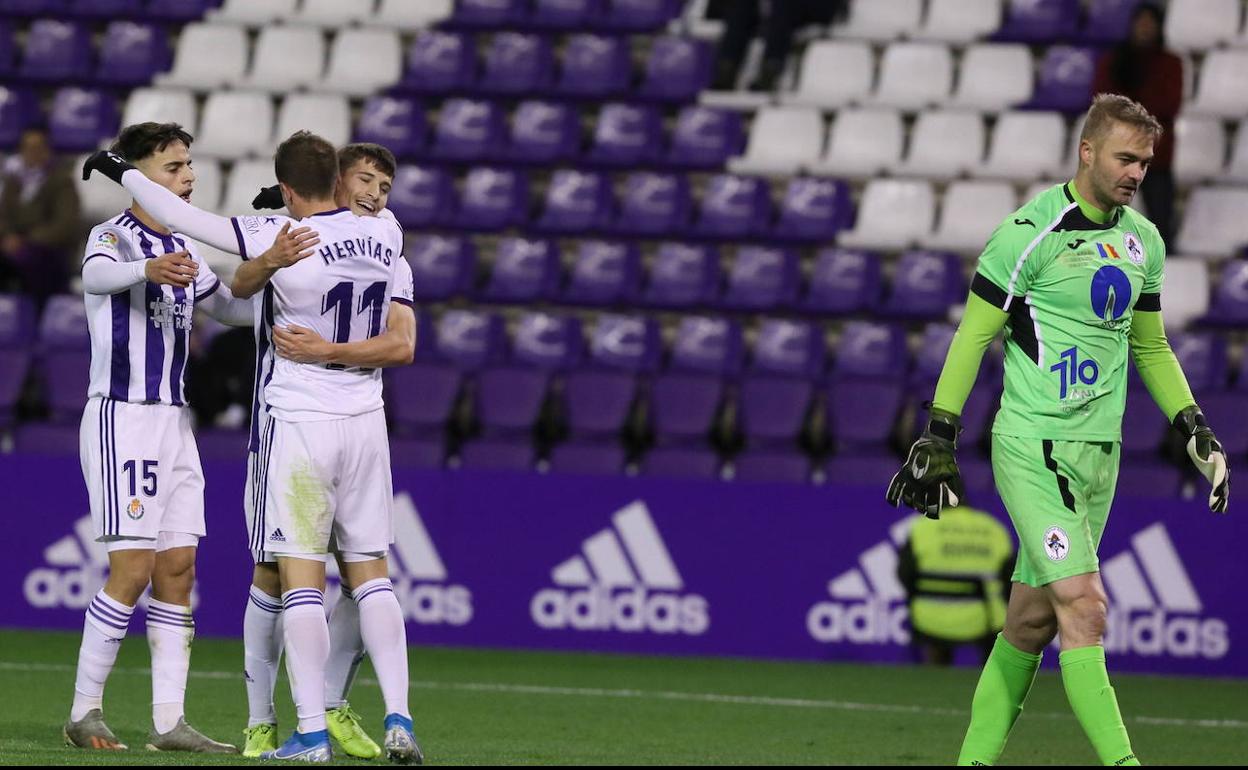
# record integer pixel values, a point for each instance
(956, 572)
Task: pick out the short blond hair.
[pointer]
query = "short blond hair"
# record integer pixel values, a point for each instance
(1108, 109)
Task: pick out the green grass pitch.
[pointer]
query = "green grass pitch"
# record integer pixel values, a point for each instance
(506, 707)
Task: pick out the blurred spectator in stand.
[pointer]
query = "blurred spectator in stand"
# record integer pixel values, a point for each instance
(221, 376)
(1140, 67)
(780, 20)
(38, 218)
(956, 571)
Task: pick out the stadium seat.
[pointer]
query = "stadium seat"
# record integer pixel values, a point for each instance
(1213, 223)
(777, 466)
(8, 49)
(970, 211)
(422, 395)
(468, 339)
(493, 199)
(685, 399)
(762, 278)
(925, 284)
(333, 14)
(683, 276)
(506, 453)
(235, 124)
(509, 396)
(245, 180)
(362, 61)
(1108, 21)
(56, 52)
(19, 108)
(17, 332)
(861, 144)
(653, 204)
(959, 21)
(1230, 298)
(180, 11)
(517, 63)
(131, 54)
(421, 196)
(914, 76)
(782, 141)
(880, 21)
(625, 342)
(681, 462)
(944, 144)
(640, 15)
(164, 105)
(576, 202)
(525, 270)
(488, 14)
(64, 357)
(893, 215)
(81, 119)
(209, 184)
(626, 135)
(1203, 357)
(1223, 90)
(1197, 25)
(599, 394)
(439, 62)
(208, 57)
(594, 66)
(1199, 149)
(397, 122)
(1039, 21)
(98, 201)
(253, 13)
(866, 388)
(676, 70)
(405, 15)
(851, 60)
(422, 452)
(733, 207)
(704, 137)
(468, 130)
(994, 77)
(567, 14)
(328, 115)
(99, 9)
(1187, 291)
(1024, 146)
(813, 210)
(442, 266)
(285, 59)
(593, 458)
(604, 273)
(1065, 80)
(843, 282)
(1237, 171)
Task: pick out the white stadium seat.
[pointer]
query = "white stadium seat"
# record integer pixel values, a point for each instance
(162, 105)
(1214, 222)
(1186, 290)
(1201, 24)
(944, 144)
(332, 14)
(98, 199)
(914, 76)
(1026, 145)
(892, 215)
(783, 140)
(861, 144)
(253, 13)
(409, 15)
(1199, 149)
(286, 59)
(362, 61)
(994, 77)
(1238, 170)
(246, 179)
(970, 211)
(880, 20)
(209, 56)
(960, 21)
(208, 182)
(327, 115)
(235, 124)
(1223, 86)
(854, 65)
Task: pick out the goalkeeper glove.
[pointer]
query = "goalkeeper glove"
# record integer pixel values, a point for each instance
(1207, 455)
(110, 164)
(930, 481)
(269, 198)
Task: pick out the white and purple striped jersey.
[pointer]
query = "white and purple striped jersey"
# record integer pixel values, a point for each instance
(343, 293)
(140, 336)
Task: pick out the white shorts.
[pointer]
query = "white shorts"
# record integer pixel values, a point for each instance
(320, 484)
(142, 470)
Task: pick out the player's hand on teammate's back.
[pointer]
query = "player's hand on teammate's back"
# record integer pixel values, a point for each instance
(268, 198)
(930, 481)
(290, 246)
(174, 269)
(300, 345)
(110, 164)
(1207, 455)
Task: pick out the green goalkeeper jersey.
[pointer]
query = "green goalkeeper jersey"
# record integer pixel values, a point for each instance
(1069, 285)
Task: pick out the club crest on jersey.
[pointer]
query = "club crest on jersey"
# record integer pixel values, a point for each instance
(135, 509)
(1135, 249)
(1056, 543)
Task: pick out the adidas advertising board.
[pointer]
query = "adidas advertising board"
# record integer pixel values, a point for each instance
(651, 566)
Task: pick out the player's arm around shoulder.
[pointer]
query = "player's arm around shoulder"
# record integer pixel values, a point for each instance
(289, 246)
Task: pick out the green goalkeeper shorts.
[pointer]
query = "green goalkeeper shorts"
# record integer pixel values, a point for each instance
(1058, 494)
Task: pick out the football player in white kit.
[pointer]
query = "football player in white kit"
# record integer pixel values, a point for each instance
(142, 284)
(323, 466)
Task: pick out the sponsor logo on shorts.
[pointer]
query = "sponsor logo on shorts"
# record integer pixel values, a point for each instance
(135, 509)
(868, 603)
(1056, 544)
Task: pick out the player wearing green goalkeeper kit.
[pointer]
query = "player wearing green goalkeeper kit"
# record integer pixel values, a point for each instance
(1074, 277)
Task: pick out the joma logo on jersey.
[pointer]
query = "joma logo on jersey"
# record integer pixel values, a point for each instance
(624, 581)
(867, 602)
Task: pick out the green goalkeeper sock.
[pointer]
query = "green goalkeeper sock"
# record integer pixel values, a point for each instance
(999, 696)
(1095, 705)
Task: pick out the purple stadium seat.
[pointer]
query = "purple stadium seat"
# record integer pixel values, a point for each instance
(488, 14)
(626, 343)
(788, 349)
(683, 276)
(442, 266)
(599, 395)
(177, 10)
(33, 7)
(422, 196)
(468, 130)
(708, 345)
(1039, 21)
(867, 387)
(440, 62)
(813, 209)
(762, 278)
(469, 339)
(594, 66)
(517, 63)
(976, 476)
(545, 341)
(421, 452)
(734, 207)
(493, 199)
(498, 454)
(1145, 478)
(566, 14)
(131, 54)
(843, 282)
(653, 204)
(772, 466)
(1204, 360)
(8, 48)
(106, 9)
(64, 356)
(17, 326)
(1108, 21)
(525, 270)
(1143, 425)
(421, 396)
(777, 390)
(1065, 80)
(1230, 296)
(705, 138)
(864, 467)
(56, 51)
(924, 285)
(870, 350)
(676, 70)
(604, 273)
(641, 15)
(395, 121)
(588, 458)
(576, 202)
(1225, 410)
(82, 118)
(19, 108)
(544, 132)
(509, 398)
(929, 358)
(685, 400)
(681, 462)
(626, 135)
